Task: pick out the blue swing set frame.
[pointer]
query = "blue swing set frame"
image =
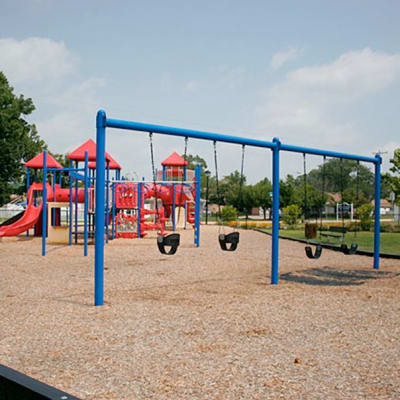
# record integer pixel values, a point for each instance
(102, 122)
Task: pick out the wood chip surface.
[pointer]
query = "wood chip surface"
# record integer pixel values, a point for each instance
(202, 324)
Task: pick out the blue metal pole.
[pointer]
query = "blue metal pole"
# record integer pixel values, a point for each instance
(166, 130)
(70, 205)
(34, 193)
(377, 211)
(100, 187)
(275, 213)
(76, 204)
(44, 204)
(164, 173)
(107, 202)
(197, 206)
(113, 209)
(28, 184)
(139, 206)
(53, 210)
(86, 207)
(327, 153)
(173, 207)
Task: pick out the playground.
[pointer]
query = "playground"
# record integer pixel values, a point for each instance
(182, 320)
(203, 323)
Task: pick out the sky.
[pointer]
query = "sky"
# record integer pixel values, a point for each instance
(320, 74)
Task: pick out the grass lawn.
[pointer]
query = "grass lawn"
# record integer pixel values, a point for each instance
(390, 242)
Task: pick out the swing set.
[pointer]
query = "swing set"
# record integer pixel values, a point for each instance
(230, 240)
(343, 246)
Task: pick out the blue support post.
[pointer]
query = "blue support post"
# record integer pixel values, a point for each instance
(44, 204)
(53, 210)
(107, 202)
(197, 206)
(164, 173)
(76, 204)
(28, 184)
(139, 206)
(173, 206)
(70, 205)
(34, 193)
(100, 187)
(113, 210)
(377, 211)
(275, 213)
(86, 207)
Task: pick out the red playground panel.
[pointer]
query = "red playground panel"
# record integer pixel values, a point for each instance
(126, 195)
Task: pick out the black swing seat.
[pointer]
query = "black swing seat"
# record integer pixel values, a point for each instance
(171, 240)
(310, 254)
(231, 238)
(349, 250)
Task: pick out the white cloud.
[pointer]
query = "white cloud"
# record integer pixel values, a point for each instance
(35, 60)
(282, 57)
(309, 106)
(352, 74)
(47, 71)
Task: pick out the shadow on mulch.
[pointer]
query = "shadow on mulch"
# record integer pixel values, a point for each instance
(25, 238)
(327, 276)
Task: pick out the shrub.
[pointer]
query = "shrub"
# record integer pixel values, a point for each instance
(291, 214)
(228, 213)
(390, 228)
(364, 213)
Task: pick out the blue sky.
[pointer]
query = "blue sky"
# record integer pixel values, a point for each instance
(313, 73)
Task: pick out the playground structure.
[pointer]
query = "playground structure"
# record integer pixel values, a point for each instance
(129, 205)
(102, 122)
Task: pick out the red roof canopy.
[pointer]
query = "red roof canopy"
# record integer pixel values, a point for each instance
(174, 160)
(79, 153)
(113, 164)
(37, 162)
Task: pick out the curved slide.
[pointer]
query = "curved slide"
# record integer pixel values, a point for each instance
(31, 214)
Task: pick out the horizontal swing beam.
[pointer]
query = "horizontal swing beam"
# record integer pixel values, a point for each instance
(168, 130)
(327, 153)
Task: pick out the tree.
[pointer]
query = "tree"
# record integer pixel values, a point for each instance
(286, 191)
(232, 190)
(262, 195)
(395, 181)
(343, 173)
(19, 141)
(291, 214)
(193, 161)
(248, 199)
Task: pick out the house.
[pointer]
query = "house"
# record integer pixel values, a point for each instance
(386, 207)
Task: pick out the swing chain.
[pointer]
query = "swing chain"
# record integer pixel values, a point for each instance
(183, 179)
(153, 171)
(357, 194)
(305, 188)
(216, 179)
(241, 179)
(342, 196)
(321, 210)
(152, 156)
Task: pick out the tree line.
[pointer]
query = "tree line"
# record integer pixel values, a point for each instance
(310, 193)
